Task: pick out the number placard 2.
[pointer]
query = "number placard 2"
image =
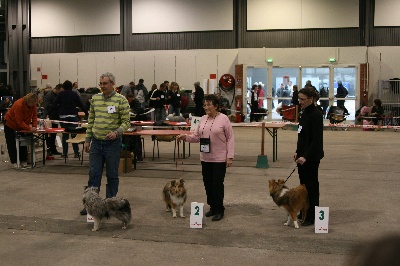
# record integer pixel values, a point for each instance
(197, 215)
(89, 218)
(321, 219)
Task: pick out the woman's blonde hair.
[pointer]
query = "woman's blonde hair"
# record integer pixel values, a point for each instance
(31, 98)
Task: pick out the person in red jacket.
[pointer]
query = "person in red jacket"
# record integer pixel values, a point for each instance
(22, 114)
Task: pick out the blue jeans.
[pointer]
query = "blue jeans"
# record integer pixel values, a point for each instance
(159, 114)
(66, 136)
(108, 152)
(174, 110)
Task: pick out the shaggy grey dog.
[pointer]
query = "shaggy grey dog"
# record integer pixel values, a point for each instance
(100, 208)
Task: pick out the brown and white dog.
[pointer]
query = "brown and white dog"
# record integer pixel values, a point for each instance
(293, 200)
(174, 195)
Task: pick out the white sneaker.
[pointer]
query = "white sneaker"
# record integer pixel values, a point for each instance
(24, 165)
(15, 166)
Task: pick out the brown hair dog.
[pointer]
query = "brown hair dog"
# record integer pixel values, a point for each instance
(174, 195)
(293, 200)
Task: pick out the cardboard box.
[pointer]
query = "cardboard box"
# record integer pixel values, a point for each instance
(122, 165)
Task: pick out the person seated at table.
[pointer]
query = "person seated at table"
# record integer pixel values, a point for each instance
(19, 117)
(377, 111)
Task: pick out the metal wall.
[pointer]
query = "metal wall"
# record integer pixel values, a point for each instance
(365, 35)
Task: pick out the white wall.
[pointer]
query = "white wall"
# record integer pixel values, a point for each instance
(184, 67)
(74, 17)
(181, 15)
(188, 66)
(302, 14)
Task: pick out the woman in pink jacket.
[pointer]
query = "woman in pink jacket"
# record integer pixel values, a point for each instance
(215, 135)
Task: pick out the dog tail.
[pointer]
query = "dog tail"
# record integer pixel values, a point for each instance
(126, 206)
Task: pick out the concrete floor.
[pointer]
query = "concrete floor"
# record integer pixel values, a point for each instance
(359, 181)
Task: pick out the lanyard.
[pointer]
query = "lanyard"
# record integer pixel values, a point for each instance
(202, 131)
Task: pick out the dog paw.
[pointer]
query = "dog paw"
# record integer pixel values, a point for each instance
(296, 226)
(286, 224)
(167, 210)
(182, 216)
(174, 216)
(124, 227)
(94, 230)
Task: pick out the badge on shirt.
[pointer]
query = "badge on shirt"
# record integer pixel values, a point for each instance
(205, 145)
(111, 109)
(299, 129)
(162, 96)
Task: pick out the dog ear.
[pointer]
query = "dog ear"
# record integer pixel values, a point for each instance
(95, 189)
(281, 181)
(172, 183)
(181, 182)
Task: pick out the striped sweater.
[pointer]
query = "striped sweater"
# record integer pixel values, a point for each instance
(107, 114)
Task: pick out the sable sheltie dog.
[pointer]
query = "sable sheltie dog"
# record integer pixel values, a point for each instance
(100, 208)
(174, 195)
(293, 200)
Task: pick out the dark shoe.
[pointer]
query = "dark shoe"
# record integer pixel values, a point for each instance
(307, 223)
(83, 212)
(217, 217)
(209, 213)
(55, 152)
(77, 155)
(64, 156)
(49, 153)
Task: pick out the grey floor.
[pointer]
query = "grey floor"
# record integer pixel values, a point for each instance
(359, 181)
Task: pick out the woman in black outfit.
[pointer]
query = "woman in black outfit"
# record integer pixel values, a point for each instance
(309, 150)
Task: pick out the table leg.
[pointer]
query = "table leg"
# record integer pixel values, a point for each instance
(275, 143)
(17, 136)
(43, 138)
(32, 152)
(274, 135)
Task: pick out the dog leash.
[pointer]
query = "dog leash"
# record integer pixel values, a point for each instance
(291, 173)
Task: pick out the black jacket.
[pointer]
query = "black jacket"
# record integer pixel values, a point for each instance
(310, 134)
(161, 102)
(198, 96)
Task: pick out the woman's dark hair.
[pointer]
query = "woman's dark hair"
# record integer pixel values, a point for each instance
(214, 99)
(309, 92)
(378, 102)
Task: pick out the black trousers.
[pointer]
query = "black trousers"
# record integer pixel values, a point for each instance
(213, 179)
(11, 146)
(308, 174)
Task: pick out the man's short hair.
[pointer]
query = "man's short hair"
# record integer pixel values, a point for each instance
(108, 75)
(67, 85)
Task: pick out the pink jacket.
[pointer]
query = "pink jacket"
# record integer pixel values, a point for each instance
(220, 132)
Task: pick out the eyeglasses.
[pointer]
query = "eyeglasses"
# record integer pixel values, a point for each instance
(207, 105)
(104, 83)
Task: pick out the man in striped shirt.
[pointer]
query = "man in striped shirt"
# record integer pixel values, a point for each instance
(108, 119)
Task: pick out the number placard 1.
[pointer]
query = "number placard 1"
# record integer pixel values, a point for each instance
(321, 220)
(197, 215)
